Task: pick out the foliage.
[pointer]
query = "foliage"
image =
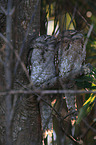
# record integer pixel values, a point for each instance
(87, 82)
(87, 107)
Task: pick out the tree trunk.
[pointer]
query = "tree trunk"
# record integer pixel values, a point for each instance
(27, 13)
(26, 121)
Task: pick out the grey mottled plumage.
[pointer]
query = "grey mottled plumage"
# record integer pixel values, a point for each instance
(43, 74)
(42, 60)
(70, 56)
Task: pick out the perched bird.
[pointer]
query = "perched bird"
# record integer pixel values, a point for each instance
(43, 74)
(71, 56)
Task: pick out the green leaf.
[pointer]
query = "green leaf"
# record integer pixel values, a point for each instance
(86, 81)
(87, 107)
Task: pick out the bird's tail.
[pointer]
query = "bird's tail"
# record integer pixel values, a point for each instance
(46, 116)
(71, 105)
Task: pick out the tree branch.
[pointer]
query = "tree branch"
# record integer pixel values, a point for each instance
(8, 73)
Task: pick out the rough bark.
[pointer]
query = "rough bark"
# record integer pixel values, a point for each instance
(27, 13)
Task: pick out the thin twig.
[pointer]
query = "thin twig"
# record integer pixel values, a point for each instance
(44, 92)
(83, 18)
(68, 135)
(86, 22)
(13, 108)
(3, 10)
(85, 133)
(16, 54)
(73, 16)
(41, 98)
(89, 127)
(88, 35)
(12, 11)
(68, 115)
